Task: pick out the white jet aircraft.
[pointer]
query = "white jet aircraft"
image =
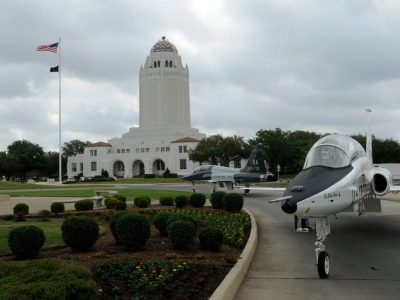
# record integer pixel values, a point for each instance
(338, 176)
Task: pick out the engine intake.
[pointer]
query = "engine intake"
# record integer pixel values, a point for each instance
(381, 183)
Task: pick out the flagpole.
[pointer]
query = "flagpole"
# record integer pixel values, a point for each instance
(59, 111)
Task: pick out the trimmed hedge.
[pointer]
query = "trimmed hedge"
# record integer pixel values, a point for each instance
(142, 201)
(120, 205)
(113, 224)
(83, 205)
(21, 209)
(167, 200)
(181, 201)
(197, 200)
(173, 217)
(160, 222)
(233, 202)
(217, 200)
(46, 279)
(149, 176)
(120, 197)
(57, 207)
(133, 231)
(181, 234)
(211, 239)
(26, 241)
(110, 202)
(80, 233)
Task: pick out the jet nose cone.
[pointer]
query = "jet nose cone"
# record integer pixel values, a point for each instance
(289, 207)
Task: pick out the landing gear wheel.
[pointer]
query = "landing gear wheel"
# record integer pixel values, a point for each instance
(323, 265)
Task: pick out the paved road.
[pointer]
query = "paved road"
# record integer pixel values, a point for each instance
(365, 256)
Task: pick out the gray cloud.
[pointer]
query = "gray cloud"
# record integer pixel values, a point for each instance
(314, 65)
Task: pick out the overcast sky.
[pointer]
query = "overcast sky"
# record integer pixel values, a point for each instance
(259, 64)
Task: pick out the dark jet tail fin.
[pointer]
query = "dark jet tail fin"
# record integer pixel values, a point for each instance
(256, 162)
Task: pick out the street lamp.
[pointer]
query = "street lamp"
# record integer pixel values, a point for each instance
(278, 168)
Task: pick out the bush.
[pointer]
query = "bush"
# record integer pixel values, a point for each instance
(26, 241)
(80, 233)
(57, 207)
(110, 202)
(181, 201)
(142, 201)
(149, 176)
(160, 222)
(217, 200)
(167, 200)
(46, 279)
(233, 202)
(120, 205)
(113, 224)
(45, 215)
(173, 217)
(21, 209)
(211, 239)
(197, 200)
(181, 234)
(119, 197)
(83, 205)
(133, 231)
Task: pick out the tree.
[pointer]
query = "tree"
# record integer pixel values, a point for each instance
(383, 150)
(285, 148)
(74, 147)
(218, 150)
(25, 157)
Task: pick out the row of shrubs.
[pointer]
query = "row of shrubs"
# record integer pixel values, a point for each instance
(131, 230)
(231, 202)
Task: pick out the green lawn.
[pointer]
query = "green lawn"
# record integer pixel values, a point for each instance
(52, 231)
(7, 185)
(89, 192)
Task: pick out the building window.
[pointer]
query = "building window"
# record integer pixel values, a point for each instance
(81, 167)
(157, 149)
(182, 164)
(147, 149)
(166, 63)
(162, 149)
(170, 63)
(118, 150)
(73, 167)
(166, 149)
(158, 63)
(185, 149)
(137, 150)
(141, 149)
(155, 65)
(128, 150)
(160, 166)
(180, 149)
(93, 166)
(238, 164)
(122, 150)
(93, 152)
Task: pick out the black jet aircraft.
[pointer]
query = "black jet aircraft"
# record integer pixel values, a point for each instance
(254, 171)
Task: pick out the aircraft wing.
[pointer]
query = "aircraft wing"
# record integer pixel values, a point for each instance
(267, 189)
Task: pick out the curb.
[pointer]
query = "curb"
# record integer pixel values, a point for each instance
(229, 286)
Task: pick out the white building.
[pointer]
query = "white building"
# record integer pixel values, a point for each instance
(164, 135)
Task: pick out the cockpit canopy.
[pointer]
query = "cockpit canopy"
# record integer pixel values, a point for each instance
(334, 151)
(202, 168)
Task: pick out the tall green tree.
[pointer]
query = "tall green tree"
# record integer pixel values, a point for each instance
(218, 150)
(25, 157)
(74, 147)
(383, 150)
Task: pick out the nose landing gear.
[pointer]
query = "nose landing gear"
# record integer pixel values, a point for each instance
(322, 229)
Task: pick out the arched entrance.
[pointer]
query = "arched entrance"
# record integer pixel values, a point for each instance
(138, 168)
(119, 169)
(158, 167)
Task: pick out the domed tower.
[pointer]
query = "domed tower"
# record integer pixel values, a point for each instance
(164, 99)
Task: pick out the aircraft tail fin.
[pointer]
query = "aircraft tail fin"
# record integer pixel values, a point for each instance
(256, 162)
(368, 147)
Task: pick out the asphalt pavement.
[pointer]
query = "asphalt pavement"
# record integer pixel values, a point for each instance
(364, 252)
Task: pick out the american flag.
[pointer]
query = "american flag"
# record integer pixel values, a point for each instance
(51, 48)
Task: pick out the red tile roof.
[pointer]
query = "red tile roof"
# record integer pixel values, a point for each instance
(186, 140)
(99, 144)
